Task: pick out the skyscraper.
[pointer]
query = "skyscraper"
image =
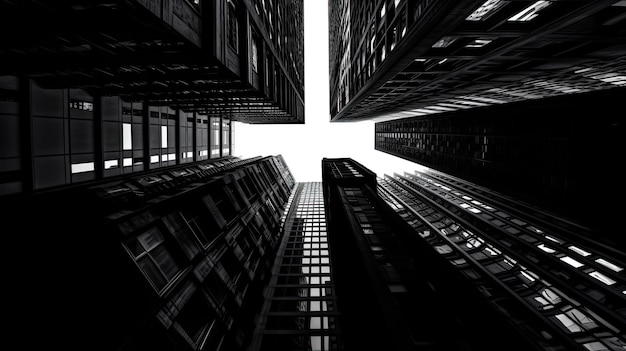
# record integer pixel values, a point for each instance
(398, 58)
(516, 96)
(485, 271)
(539, 153)
(107, 88)
(242, 60)
(300, 311)
(174, 259)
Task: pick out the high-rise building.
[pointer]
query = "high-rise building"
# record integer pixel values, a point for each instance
(104, 88)
(431, 261)
(300, 310)
(173, 259)
(241, 60)
(540, 153)
(399, 58)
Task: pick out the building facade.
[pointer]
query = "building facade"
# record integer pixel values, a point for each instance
(398, 58)
(484, 270)
(241, 60)
(383, 289)
(173, 259)
(300, 311)
(539, 153)
(90, 91)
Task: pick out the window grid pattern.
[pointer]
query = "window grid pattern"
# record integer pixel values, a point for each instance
(472, 63)
(499, 276)
(301, 311)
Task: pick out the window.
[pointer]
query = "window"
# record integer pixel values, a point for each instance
(196, 318)
(530, 12)
(153, 258)
(233, 26)
(164, 136)
(127, 136)
(255, 56)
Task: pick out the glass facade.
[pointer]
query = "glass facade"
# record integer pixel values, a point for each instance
(562, 288)
(300, 312)
(394, 59)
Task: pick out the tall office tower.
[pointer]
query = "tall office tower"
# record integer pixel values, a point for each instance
(97, 89)
(399, 58)
(542, 154)
(241, 60)
(300, 310)
(172, 259)
(475, 270)
(382, 285)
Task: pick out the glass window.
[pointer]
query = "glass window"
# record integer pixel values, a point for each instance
(127, 140)
(153, 258)
(255, 56)
(233, 26)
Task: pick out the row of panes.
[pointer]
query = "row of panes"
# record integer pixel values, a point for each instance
(604, 270)
(450, 239)
(451, 252)
(64, 129)
(539, 242)
(166, 249)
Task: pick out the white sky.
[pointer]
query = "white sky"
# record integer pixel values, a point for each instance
(304, 145)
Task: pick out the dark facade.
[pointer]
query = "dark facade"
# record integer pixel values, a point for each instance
(540, 153)
(172, 259)
(53, 138)
(235, 59)
(431, 261)
(391, 59)
(382, 285)
(300, 310)
(553, 281)
(99, 89)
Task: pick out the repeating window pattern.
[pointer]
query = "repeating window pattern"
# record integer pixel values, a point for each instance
(511, 258)
(302, 304)
(460, 70)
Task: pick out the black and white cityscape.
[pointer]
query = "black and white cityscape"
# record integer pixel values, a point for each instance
(132, 224)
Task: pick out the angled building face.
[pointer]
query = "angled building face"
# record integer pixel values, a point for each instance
(241, 60)
(559, 286)
(62, 137)
(397, 58)
(300, 310)
(485, 271)
(539, 153)
(383, 290)
(175, 259)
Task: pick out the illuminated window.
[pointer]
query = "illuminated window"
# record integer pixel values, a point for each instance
(530, 12)
(479, 43)
(572, 262)
(485, 10)
(82, 167)
(108, 164)
(603, 278)
(609, 265)
(127, 136)
(163, 136)
(445, 42)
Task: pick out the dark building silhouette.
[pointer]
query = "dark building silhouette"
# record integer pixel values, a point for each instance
(243, 60)
(539, 153)
(430, 261)
(398, 58)
(173, 259)
(90, 90)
